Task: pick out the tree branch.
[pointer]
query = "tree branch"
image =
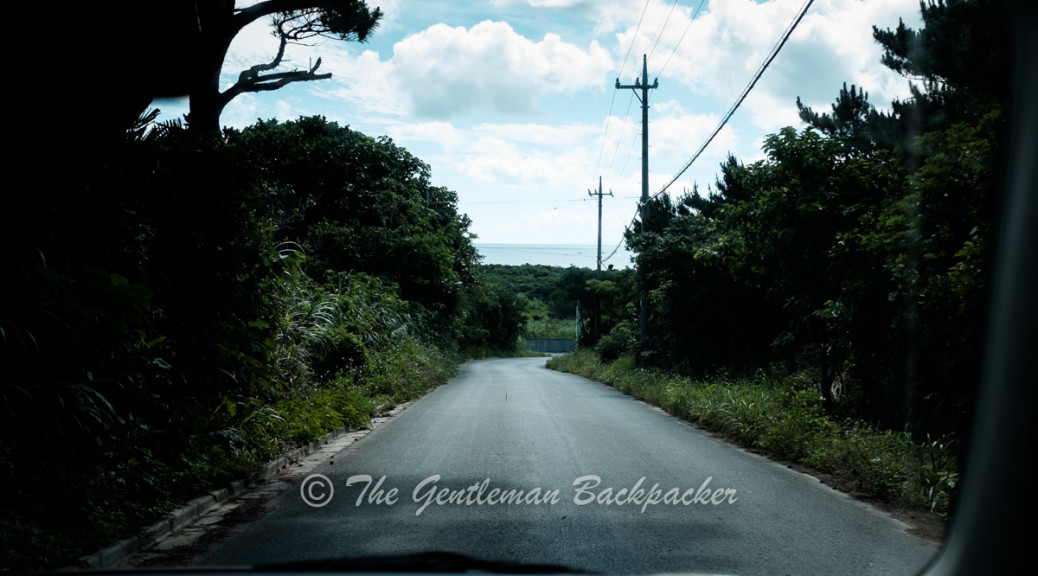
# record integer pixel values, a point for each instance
(245, 16)
(310, 11)
(254, 72)
(251, 80)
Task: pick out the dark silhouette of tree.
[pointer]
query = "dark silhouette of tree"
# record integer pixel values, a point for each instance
(293, 21)
(853, 116)
(958, 63)
(161, 48)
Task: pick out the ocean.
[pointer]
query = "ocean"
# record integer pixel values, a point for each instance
(564, 255)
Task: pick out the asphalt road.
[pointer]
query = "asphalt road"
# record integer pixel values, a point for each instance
(512, 461)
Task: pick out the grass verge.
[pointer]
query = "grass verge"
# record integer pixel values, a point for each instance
(782, 417)
(135, 486)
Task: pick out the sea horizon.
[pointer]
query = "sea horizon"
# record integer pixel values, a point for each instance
(562, 255)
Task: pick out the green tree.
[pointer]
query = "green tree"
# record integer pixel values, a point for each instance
(356, 203)
(936, 240)
(489, 316)
(866, 236)
(958, 64)
(850, 116)
(703, 317)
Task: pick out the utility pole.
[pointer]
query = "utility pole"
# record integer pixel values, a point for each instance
(596, 309)
(599, 194)
(643, 85)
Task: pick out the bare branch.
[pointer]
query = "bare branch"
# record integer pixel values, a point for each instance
(254, 72)
(252, 81)
(219, 22)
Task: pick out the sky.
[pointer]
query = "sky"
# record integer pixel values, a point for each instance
(513, 103)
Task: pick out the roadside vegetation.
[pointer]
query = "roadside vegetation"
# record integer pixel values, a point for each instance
(839, 285)
(782, 416)
(191, 306)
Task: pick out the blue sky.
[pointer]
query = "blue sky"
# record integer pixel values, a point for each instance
(512, 102)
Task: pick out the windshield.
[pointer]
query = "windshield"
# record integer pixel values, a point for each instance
(617, 287)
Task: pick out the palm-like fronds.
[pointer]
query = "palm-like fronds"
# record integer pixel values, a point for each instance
(146, 130)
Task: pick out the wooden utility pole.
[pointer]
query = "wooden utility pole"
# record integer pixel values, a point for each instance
(642, 85)
(599, 194)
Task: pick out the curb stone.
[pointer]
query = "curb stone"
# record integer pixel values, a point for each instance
(112, 556)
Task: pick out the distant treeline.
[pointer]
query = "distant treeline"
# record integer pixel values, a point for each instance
(550, 296)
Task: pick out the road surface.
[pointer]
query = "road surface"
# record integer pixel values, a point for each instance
(512, 461)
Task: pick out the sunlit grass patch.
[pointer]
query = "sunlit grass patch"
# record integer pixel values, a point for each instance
(783, 417)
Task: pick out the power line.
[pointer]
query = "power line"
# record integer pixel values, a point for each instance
(598, 163)
(760, 71)
(746, 91)
(605, 132)
(687, 26)
(623, 126)
(613, 253)
(616, 201)
(663, 28)
(528, 201)
(665, 63)
(630, 152)
(633, 38)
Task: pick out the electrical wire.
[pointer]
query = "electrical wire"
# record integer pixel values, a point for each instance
(633, 38)
(623, 127)
(746, 91)
(630, 152)
(529, 201)
(598, 163)
(689, 25)
(665, 63)
(615, 200)
(731, 111)
(605, 133)
(662, 29)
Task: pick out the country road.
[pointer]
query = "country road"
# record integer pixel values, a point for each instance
(512, 461)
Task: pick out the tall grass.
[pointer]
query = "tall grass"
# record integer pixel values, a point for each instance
(341, 354)
(336, 356)
(782, 416)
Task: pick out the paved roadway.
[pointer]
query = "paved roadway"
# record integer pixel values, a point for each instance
(512, 425)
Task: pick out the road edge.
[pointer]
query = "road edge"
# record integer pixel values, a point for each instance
(114, 555)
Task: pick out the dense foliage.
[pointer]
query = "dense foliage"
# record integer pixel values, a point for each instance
(857, 250)
(188, 306)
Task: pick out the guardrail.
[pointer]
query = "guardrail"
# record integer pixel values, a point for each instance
(550, 345)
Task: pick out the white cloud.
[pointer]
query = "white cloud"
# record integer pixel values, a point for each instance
(391, 10)
(240, 112)
(676, 135)
(508, 100)
(449, 72)
(362, 86)
(726, 44)
(608, 15)
(442, 133)
(359, 85)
